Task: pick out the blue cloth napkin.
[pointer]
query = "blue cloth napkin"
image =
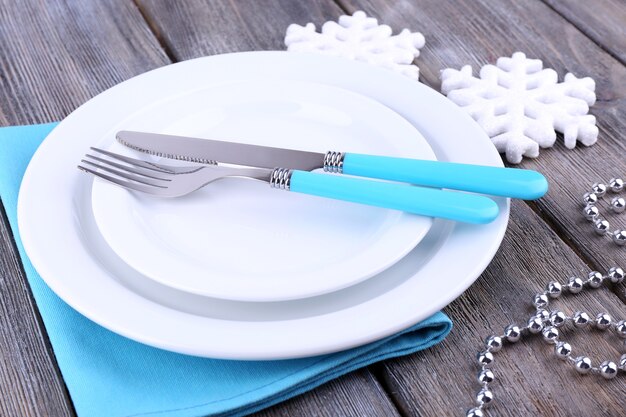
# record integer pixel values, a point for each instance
(110, 375)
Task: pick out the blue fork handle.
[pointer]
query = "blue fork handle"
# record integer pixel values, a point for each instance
(462, 207)
(504, 182)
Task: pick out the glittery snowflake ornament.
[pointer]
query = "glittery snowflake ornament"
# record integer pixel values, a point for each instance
(361, 38)
(520, 104)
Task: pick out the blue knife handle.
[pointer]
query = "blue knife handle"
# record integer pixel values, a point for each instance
(505, 182)
(450, 205)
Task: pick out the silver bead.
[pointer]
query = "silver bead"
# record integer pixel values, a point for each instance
(590, 199)
(581, 319)
(575, 285)
(540, 300)
(535, 324)
(484, 397)
(485, 376)
(557, 318)
(512, 333)
(562, 350)
(493, 343)
(601, 226)
(591, 212)
(616, 184)
(608, 369)
(554, 289)
(594, 279)
(620, 329)
(622, 362)
(475, 412)
(616, 275)
(543, 314)
(598, 189)
(619, 237)
(603, 321)
(550, 334)
(618, 204)
(583, 365)
(484, 358)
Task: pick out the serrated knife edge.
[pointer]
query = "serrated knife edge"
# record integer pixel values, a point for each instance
(211, 151)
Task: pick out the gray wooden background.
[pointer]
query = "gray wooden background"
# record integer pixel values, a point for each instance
(54, 55)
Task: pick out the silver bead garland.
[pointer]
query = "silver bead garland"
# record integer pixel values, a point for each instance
(617, 204)
(547, 323)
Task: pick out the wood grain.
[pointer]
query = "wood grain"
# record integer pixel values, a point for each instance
(54, 56)
(329, 400)
(604, 21)
(30, 383)
(197, 28)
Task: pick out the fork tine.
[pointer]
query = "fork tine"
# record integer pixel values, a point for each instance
(139, 170)
(136, 162)
(149, 189)
(151, 165)
(129, 175)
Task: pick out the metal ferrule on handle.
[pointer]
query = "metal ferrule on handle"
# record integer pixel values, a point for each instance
(281, 178)
(333, 162)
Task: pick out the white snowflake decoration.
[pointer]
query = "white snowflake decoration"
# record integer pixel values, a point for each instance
(360, 38)
(520, 105)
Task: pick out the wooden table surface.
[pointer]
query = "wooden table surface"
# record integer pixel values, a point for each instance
(54, 55)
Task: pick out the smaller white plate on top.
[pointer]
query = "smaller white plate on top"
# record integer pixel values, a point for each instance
(238, 239)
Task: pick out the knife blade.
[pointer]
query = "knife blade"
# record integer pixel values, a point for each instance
(497, 181)
(207, 151)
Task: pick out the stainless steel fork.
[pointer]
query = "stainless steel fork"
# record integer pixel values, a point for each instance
(175, 181)
(163, 180)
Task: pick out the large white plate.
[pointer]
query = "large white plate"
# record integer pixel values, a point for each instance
(242, 240)
(55, 206)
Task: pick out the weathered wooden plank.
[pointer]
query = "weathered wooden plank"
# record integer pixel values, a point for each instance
(53, 57)
(30, 383)
(604, 21)
(197, 28)
(477, 32)
(329, 400)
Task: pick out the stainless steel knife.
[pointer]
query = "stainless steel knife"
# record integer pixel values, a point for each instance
(505, 182)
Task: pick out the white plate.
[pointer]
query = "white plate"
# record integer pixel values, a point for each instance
(55, 207)
(242, 240)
